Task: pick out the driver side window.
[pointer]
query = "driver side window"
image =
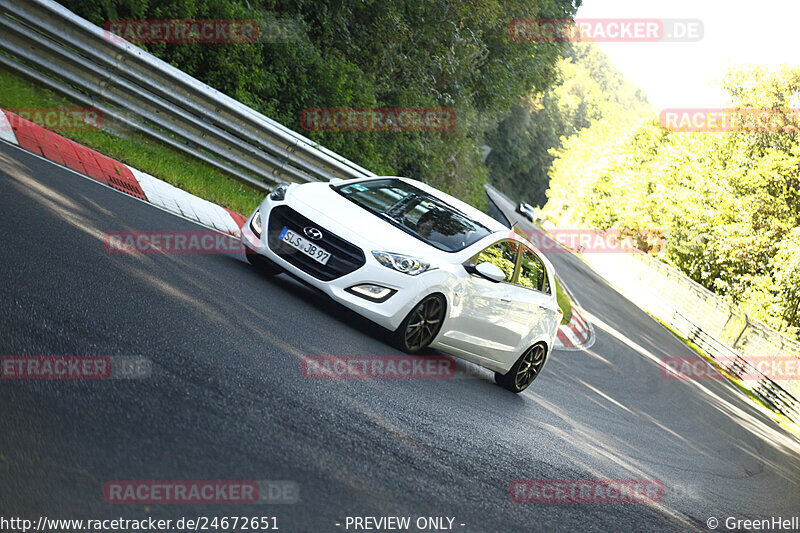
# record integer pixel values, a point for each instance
(502, 254)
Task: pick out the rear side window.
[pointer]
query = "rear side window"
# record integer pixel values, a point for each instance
(502, 254)
(532, 273)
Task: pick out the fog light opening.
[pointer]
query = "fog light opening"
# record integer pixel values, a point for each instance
(372, 292)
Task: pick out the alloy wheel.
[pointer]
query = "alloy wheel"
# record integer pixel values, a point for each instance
(423, 324)
(529, 366)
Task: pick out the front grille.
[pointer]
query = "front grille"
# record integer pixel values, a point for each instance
(345, 257)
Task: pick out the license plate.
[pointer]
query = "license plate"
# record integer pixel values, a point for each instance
(321, 255)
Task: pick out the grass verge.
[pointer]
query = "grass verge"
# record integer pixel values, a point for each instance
(564, 303)
(136, 150)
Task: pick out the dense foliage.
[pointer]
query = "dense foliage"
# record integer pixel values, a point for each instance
(369, 53)
(727, 203)
(588, 89)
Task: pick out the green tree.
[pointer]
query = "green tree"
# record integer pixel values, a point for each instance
(787, 279)
(589, 89)
(367, 53)
(728, 204)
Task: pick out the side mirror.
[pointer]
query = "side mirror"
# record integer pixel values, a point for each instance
(490, 271)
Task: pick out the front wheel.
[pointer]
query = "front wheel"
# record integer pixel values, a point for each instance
(421, 325)
(524, 370)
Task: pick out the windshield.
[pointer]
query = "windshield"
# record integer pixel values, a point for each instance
(416, 212)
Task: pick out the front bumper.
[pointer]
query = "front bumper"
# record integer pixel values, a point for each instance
(389, 313)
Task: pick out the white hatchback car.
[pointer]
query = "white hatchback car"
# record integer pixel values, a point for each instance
(426, 266)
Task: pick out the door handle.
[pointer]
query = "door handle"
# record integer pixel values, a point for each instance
(506, 300)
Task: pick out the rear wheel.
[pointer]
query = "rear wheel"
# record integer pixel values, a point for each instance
(421, 325)
(524, 370)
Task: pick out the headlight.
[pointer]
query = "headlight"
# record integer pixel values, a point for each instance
(279, 193)
(255, 223)
(402, 263)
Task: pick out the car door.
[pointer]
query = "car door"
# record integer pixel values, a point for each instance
(478, 323)
(532, 309)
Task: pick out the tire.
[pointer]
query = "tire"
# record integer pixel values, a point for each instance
(524, 370)
(421, 325)
(264, 265)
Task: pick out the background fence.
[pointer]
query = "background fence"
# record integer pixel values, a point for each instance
(721, 330)
(49, 44)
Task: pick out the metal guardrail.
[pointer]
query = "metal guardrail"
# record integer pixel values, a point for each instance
(722, 330)
(738, 366)
(44, 41)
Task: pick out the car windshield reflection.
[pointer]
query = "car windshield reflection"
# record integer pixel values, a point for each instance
(416, 212)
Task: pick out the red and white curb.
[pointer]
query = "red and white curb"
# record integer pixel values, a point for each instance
(577, 334)
(6, 133)
(62, 151)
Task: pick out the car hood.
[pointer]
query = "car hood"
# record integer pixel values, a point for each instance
(331, 210)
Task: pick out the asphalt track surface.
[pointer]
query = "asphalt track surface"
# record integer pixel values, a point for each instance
(226, 399)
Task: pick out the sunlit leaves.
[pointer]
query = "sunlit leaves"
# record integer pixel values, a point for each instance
(727, 203)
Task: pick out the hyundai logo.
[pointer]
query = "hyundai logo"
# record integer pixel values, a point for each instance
(312, 233)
